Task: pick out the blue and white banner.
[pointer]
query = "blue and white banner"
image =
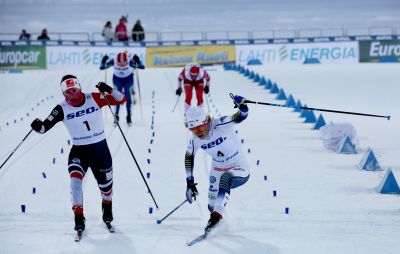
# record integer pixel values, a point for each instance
(73, 57)
(297, 53)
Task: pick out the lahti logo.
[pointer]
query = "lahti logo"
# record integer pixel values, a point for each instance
(86, 56)
(283, 54)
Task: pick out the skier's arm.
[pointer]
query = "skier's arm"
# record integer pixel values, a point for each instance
(105, 63)
(189, 159)
(180, 79)
(114, 97)
(178, 91)
(56, 115)
(241, 114)
(191, 190)
(207, 78)
(136, 63)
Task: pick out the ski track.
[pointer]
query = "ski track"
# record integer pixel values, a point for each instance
(333, 205)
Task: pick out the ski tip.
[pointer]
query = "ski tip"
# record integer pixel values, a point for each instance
(158, 222)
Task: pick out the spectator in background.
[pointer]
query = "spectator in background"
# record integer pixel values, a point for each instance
(24, 36)
(121, 31)
(108, 32)
(137, 31)
(43, 36)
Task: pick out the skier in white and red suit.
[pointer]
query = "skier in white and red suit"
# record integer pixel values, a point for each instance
(82, 116)
(193, 76)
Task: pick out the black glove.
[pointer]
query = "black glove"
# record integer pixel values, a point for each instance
(178, 91)
(37, 125)
(239, 101)
(104, 60)
(136, 59)
(206, 89)
(103, 87)
(191, 190)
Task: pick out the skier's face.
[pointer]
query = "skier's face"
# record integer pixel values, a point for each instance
(201, 131)
(73, 96)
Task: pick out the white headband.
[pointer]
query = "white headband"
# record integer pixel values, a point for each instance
(70, 83)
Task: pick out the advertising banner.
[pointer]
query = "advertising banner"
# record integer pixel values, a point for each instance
(22, 57)
(298, 53)
(77, 57)
(182, 55)
(380, 51)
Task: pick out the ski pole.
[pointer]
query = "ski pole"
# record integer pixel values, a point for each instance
(208, 104)
(315, 109)
(16, 148)
(176, 103)
(130, 150)
(140, 96)
(176, 208)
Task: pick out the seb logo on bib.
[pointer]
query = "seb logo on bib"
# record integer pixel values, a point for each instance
(213, 143)
(81, 113)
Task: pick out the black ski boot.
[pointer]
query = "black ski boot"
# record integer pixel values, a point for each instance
(116, 120)
(215, 217)
(129, 119)
(79, 222)
(107, 212)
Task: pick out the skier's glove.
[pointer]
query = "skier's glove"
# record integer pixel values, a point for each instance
(104, 60)
(136, 59)
(206, 89)
(239, 101)
(37, 125)
(191, 190)
(103, 87)
(178, 91)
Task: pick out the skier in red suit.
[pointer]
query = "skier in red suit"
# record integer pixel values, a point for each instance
(193, 76)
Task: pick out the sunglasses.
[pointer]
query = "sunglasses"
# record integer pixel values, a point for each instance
(199, 129)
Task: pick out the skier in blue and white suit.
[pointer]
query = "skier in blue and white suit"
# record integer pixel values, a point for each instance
(123, 78)
(229, 169)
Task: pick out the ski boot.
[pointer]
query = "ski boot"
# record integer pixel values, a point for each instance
(107, 212)
(79, 222)
(215, 217)
(129, 119)
(116, 120)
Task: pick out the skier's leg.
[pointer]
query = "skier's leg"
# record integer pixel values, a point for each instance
(199, 94)
(101, 165)
(77, 170)
(118, 84)
(188, 93)
(231, 179)
(128, 84)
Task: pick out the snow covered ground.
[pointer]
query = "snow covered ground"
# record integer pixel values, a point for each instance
(333, 207)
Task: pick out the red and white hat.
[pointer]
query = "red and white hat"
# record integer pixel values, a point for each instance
(194, 70)
(68, 82)
(122, 58)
